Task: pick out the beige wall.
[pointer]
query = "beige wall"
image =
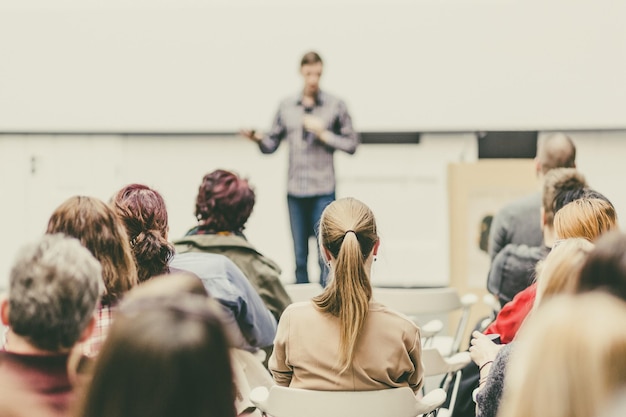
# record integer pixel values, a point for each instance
(406, 185)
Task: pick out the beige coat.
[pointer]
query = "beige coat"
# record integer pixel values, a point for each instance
(388, 352)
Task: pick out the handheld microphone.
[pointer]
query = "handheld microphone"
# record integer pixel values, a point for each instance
(308, 136)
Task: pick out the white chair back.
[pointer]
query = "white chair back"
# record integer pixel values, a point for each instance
(435, 364)
(416, 302)
(292, 402)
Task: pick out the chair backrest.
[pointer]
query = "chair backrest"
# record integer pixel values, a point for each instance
(436, 364)
(303, 292)
(293, 402)
(419, 301)
(415, 302)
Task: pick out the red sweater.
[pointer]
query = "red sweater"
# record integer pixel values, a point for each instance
(40, 380)
(512, 315)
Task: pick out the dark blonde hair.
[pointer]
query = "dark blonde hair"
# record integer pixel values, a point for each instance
(100, 230)
(348, 231)
(587, 217)
(559, 272)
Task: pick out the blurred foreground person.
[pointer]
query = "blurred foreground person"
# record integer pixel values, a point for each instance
(167, 355)
(570, 359)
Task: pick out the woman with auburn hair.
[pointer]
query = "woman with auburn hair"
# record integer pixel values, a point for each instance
(100, 230)
(570, 359)
(585, 217)
(223, 205)
(144, 215)
(343, 339)
(143, 211)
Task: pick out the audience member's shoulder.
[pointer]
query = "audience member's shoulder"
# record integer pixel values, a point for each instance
(205, 264)
(332, 98)
(388, 313)
(206, 258)
(521, 252)
(300, 307)
(529, 201)
(505, 352)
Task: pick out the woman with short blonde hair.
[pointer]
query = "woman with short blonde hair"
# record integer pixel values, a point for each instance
(559, 272)
(585, 217)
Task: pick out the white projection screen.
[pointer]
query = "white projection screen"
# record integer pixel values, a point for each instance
(216, 66)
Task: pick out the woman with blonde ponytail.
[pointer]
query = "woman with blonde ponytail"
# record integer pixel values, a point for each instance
(342, 340)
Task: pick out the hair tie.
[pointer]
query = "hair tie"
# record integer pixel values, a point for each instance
(348, 231)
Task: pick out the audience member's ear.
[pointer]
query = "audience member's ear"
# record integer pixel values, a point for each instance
(86, 334)
(537, 165)
(79, 367)
(4, 309)
(327, 256)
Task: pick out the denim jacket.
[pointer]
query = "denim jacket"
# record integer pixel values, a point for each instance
(227, 284)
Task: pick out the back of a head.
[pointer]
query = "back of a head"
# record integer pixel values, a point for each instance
(569, 358)
(224, 202)
(54, 287)
(559, 272)
(605, 268)
(586, 218)
(556, 151)
(169, 284)
(558, 184)
(164, 356)
(567, 195)
(348, 231)
(144, 215)
(101, 231)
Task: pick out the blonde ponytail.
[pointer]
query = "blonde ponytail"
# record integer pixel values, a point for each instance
(348, 232)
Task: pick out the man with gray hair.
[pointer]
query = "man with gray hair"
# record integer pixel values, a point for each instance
(54, 286)
(519, 222)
